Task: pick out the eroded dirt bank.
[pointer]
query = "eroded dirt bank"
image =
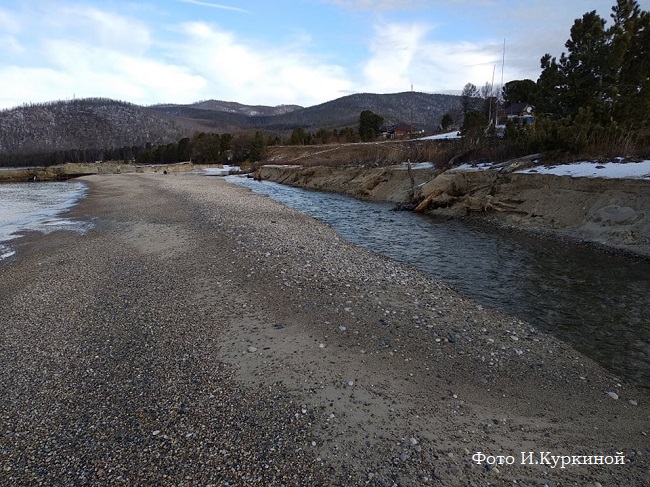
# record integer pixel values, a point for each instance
(391, 183)
(610, 212)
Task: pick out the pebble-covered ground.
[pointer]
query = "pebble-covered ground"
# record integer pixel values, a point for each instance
(204, 335)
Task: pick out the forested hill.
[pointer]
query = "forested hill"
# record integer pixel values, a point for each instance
(84, 124)
(421, 110)
(226, 107)
(100, 123)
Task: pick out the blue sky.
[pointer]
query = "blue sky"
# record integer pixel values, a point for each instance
(272, 52)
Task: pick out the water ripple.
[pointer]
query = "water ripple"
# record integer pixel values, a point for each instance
(596, 301)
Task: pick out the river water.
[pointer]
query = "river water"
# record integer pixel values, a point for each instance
(28, 207)
(597, 302)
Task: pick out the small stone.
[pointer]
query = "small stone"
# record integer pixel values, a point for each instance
(633, 402)
(342, 328)
(156, 433)
(350, 383)
(252, 349)
(613, 395)
(414, 441)
(321, 345)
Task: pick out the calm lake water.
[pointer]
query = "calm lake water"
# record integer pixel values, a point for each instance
(596, 301)
(28, 207)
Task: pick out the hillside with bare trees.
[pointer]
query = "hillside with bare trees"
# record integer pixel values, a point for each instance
(83, 124)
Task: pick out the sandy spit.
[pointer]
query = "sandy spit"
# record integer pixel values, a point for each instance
(204, 335)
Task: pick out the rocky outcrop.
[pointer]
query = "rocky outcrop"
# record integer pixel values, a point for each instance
(610, 212)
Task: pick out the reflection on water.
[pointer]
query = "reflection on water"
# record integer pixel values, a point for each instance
(595, 301)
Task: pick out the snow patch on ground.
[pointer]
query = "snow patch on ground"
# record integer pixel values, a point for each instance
(447, 135)
(483, 166)
(219, 171)
(418, 165)
(589, 169)
(585, 169)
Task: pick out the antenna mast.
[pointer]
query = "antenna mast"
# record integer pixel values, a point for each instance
(492, 97)
(503, 63)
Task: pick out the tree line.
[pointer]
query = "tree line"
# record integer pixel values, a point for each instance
(203, 147)
(594, 99)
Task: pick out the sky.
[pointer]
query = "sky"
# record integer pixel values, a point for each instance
(273, 52)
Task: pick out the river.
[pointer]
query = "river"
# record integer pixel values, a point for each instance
(597, 302)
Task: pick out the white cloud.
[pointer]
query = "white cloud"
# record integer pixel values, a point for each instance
(10, 45)
(403, 55)
(8, 22)
(215, 5)
(89, 71)
(31, 85)
(99, 27)
(253, 74)
(393, 50)
(379, 4)
(92, 53)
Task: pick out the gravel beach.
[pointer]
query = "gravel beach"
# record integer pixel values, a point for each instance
(201, 334)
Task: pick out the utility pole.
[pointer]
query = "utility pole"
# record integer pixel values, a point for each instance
(503, 63)
(411, 121)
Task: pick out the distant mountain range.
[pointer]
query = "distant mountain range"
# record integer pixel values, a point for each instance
(421, 110)
(99, 123)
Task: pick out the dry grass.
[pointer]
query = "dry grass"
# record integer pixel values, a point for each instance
(446, 153)
(371, 154)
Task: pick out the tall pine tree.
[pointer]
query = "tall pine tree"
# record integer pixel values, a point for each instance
(605, 71)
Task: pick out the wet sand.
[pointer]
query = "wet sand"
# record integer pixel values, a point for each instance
(202, 334)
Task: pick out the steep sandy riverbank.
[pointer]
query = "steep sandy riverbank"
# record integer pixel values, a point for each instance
(391, 183)
(611, 212)
(202, 334)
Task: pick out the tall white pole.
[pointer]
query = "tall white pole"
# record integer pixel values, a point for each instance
(503, 63)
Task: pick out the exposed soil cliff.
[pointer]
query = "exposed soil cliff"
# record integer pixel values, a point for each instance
(392, 183)
(610, 212)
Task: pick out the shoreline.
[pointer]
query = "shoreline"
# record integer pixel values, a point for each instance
(613, 213)
(45, 218)
(205, 333)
